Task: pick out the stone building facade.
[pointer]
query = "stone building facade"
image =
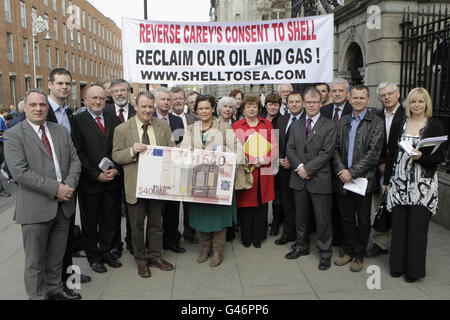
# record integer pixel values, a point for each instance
(91, 51)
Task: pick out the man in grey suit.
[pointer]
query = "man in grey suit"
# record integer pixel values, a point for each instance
(43, 161)
(309, 150)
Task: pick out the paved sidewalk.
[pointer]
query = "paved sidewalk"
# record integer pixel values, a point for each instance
(246, 273)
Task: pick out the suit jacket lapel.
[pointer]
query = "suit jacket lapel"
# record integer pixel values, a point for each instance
(133, 129)
(314, 130)
(93, 123)
(29, 131)
(56, 139)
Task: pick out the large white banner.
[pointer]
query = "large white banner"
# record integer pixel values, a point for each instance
(276, 51)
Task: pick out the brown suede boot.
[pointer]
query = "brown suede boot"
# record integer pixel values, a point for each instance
(205, 239)
(218, 247)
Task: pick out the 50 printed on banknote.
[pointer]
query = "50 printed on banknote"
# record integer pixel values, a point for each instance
(179, 174)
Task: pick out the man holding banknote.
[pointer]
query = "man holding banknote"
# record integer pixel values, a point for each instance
(130, 139)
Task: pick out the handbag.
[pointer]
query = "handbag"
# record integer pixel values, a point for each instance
(383, 218)
(244, 177)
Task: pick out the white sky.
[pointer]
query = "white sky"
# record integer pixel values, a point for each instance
(164, 10)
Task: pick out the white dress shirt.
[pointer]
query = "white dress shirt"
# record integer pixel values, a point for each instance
(37, 129)
(125, 111)
(389, 118)
(314, 120)
(183, 117)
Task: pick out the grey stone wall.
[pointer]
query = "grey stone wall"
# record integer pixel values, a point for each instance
(442, 217)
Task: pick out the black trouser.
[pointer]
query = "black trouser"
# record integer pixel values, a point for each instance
(277, 206)
(336, 222)
(171, 219)
(117, 240)
(98, 220)
(188, 232)
(288, 202)
(409, 240)
(67, 259)
(355, 214)
(253, 220)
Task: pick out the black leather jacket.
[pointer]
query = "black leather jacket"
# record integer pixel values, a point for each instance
(369, 141)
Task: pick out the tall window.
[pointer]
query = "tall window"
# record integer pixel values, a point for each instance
(74, 69)
(12, 89)
(23, 14)
(71, 36)
(54, 5)
(9, 45)
(83, 19)
(64, 33)
(95, 47)
(93, 25)
(90, 45)
(25, 51)
(37, 59)
(84, 42)
(80, 64)
(79, 40)
(63, 7)
(45, 2)
(89, 23)
(57, 57)
(7, 4)
(33, 14)
(85, 66)
(66, 60)
(49, 57)
(55, 26)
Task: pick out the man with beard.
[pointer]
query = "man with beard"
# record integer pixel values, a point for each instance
(124, 110)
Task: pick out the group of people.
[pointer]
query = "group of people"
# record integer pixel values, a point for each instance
(319, 140)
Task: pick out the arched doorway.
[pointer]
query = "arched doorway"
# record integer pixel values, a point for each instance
(354, 64)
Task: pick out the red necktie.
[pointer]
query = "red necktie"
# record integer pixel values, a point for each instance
(46, 142)
(100, 125)
(308, 127)
(122, 119)
(336, 115)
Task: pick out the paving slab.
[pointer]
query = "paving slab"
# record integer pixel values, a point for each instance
(385, 294)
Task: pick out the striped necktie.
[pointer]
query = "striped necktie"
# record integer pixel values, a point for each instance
(45, 141)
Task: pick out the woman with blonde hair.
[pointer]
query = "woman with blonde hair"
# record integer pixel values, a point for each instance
(412, 193)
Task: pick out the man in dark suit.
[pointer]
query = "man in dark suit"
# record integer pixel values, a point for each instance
(295, 106)
(178, 100)
(121, 106)
(100, 188)
(60, 87)
(43, 161)
(359, 141)
(171, 235)
(334, 111)
(393, 115)
(309, 150)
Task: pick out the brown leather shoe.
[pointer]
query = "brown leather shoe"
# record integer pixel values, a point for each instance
(161, 264)
(144, 271)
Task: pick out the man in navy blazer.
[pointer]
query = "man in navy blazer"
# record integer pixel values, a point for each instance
(335, 111)
(171, 235)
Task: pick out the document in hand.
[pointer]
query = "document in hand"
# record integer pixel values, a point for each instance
(430, 142)
(257, 146)
(358, 185)
(408, 148)
(105, 164)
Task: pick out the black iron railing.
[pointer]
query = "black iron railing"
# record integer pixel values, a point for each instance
(425, 59)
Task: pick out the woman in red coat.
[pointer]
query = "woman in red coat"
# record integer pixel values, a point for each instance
(253, 203)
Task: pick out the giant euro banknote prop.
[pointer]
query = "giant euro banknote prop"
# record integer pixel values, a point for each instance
(178, 174)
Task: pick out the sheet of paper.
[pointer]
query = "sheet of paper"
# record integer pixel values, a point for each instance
(430, 142)
(105, 164)
(358, 185)
(405, 145)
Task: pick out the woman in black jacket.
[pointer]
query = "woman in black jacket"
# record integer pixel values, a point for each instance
(412, 193)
